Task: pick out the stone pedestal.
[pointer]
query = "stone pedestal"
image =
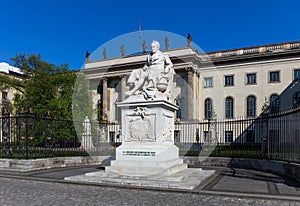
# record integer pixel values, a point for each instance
(148, 155)
(147, 139)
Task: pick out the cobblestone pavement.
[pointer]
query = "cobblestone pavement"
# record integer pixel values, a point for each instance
(252, 182)
(28, 192)
(47, 188)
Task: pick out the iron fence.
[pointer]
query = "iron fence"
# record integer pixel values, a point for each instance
(27, 136)
(276, 137)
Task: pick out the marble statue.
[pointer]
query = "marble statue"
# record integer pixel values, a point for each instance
(167, 44)
(104, 53)
(123, 52)
(189, 39)
(86, 126)
(86, 140)
(144, 47)
(155, 77)
(87, 56)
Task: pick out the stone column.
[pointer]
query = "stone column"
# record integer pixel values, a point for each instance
(190, 93)
(104, 95)
(123, 86)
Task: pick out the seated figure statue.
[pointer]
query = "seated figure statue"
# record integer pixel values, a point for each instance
(155, 76)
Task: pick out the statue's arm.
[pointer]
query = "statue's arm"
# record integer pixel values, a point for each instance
(168, 63)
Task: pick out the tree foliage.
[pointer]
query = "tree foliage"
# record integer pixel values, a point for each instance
(46, 88)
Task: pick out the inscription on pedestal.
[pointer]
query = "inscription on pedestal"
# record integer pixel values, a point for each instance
(139, 153)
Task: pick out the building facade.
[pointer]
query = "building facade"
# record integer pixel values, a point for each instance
(7, 92)
(224, 84)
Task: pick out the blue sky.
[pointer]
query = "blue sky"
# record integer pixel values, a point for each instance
(62, 30)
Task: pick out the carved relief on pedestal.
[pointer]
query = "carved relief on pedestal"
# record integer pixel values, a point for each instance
(140, 127)
(168, 130)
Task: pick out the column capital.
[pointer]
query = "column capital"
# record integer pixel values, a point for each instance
(190, 70)
(123, 76)
(104, 79)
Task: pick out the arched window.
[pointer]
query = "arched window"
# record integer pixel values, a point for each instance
(208, 108)
(274, 103)
(296, 99)
(229, 107)
(251, 106)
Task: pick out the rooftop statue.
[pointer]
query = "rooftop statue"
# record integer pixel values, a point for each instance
(155, 77)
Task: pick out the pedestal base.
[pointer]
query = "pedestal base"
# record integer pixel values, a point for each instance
(148, 156)
(187, 179)
(144, 159)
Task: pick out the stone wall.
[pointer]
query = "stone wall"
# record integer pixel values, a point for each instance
(47, 163)
(282, 168)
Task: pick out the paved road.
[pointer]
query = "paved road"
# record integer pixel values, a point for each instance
(49, 189)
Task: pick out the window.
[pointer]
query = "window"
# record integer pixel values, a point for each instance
(274, 76)
(208, 108)
(4, 96)
(296, 99)
(229, 107)
(229, 80)
(251, 78)
(208, 82)
(112, 136)
(177, 135)
(228, 136)
(251, 106)
(274, 103)
(296, 74)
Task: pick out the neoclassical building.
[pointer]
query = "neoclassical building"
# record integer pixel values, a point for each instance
(223, 84)
(7, 92)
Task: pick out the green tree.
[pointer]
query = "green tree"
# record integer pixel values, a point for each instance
(45, 87)
(82, 103)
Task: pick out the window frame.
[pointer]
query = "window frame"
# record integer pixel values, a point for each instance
(205, 81)
(226, 136)
(298, 71)
(231, 108)
(208, 110)
(251, 83)
(252, 113)
(274, 81)
(225, 82)
(274, 107)
(4, 95)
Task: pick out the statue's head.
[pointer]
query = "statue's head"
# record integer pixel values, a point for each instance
(155, 46)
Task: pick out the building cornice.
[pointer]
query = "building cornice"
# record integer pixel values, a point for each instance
(239, 56)
(255, 51)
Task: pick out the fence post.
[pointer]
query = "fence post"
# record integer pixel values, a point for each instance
(6, 133)
(26, 137)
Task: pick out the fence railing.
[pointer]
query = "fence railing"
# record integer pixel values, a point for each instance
(276, 137)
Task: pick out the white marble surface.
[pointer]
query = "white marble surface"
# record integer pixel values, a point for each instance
(187, 179)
